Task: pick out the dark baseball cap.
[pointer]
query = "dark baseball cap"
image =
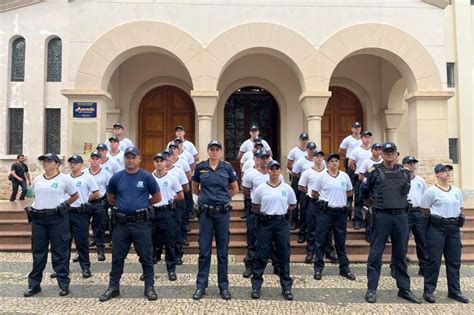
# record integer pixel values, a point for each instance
(75, 158)
(178, 139)
(332, 156)
(318, 152)
(166, 152)
(101, 146)
(50, 157)
(408, 159)
(273, 163)
(214, 143)
(114, 138)
(376, 146)
(159, 156)
(258, 144)
(118, 125)
(311, 146)
(304, 136)
(179, 127)
(264, 153)
(254, 127)
(366, 133)
(173, 144)
(132, 150)
(441, 166)
(356, 125)
(96, 154)
(257, 140)
(258, 153)
(389, 146)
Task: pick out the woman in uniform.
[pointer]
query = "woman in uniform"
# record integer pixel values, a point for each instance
(215, 182)
(49, 216)
(444, 203)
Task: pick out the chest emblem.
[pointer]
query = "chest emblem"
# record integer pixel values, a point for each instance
(55, 185)
(140, 184)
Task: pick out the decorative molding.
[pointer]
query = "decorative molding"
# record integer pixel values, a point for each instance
(7, 5)
(438, 3)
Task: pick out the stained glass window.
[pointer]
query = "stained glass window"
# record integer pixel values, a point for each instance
(54, 60)
(18, 60)
(15, 131)
(53, 130)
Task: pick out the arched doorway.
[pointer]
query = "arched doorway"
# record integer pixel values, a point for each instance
(342, 110)
(246, 106)
(161, 110)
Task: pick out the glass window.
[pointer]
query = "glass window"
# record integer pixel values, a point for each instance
(453, 150)
(54, 60)
(18, 60)
(450, 74)
(15, 131)
(53, 130)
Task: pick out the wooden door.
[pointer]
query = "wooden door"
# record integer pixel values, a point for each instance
(342, 110)
(245, 107)
(161, 110)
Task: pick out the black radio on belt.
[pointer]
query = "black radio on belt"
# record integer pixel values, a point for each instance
(323, 205)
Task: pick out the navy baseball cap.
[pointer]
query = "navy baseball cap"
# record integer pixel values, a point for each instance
(376, 146)
(273, 163)
(389, 146)
(75, 158)
(214, 143)
(257, 140)
(258, 144)
(264, 153)
(356, 125)
(366, 133)
(408, 159)
(50, 157)
(441, 166)
(96, 154)
(118, 125)
(131, 150)
(173, 144)
(254, 127)
(258, 153)
(101, 146)
(304, 136)
(166, 152)
(332, 156)
(159, 156)
(179, 127)
(114, 138)
(319, 152)
(311, 146)
(178, 139)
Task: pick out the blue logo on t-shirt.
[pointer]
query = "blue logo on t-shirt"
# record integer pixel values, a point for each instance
(418, 185)
(283, 194)
(54, 185)
(78, 184)
(165, 184)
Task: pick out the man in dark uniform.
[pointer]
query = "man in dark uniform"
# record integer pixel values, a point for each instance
(128, 192)
(385, 189)
(19, 175)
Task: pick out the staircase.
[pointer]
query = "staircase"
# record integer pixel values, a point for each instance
(15, 235)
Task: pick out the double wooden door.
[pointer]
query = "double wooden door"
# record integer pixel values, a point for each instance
(161, 110)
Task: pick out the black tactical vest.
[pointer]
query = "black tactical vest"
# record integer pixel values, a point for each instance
(391, 188)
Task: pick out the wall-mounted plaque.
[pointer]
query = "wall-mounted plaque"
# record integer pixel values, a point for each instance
(84, 110)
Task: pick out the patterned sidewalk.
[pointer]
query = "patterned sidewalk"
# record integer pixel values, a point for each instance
(332, 295)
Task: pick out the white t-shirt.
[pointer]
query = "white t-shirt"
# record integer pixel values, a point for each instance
(182, 164)
(187, 157)
(169, 187)
(101, 178)
(50, 193)
(302, 165)
(274, 200)
(295, 154)
(248, 145)
(364, 167)
(308, 178)
(189, 146)
(123, 144)
(333, 189)
(350, 143)
(446, 204)
(247, 156)
(179, 174)
(110, 166)
(248, 165)
(85, 185)
(417, 188)
(117, 158)
(253, 178)
(359, 155)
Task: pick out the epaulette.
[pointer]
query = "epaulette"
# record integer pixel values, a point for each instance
(225, 162)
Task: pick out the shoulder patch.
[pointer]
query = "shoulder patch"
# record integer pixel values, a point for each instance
(227, 162)
(370, 170)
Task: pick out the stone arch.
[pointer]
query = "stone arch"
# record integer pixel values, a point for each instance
(405, 52)
(250, 38)
(127, 40)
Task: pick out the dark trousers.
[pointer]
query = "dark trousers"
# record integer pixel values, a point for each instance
(164, 233)
(138, 233)
(54, 229)
(99, 221)
(79, 224)
(273, 232)
(417, 223)
(209, 227)
(304, 201)
(351, 173)
(311, 215)
(294, 214)
(442, 240)
(336, 222)
(394, 226)
(252, 222)
(358, 201)
(179, 216)
(15, 185)
(188, 197)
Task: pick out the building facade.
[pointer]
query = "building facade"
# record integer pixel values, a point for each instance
(403, 68)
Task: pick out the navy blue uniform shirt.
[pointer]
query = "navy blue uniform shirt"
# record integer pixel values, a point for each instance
(214, 184)
(132, 191)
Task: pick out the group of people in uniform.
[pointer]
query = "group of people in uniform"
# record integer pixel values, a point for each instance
(151, 210)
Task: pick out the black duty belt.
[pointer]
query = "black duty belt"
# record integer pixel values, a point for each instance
(139, 215)
(390, 211)
(413, 209)
(35, 213)
(437, 220)
(78, 210)
(269, 217)
(220, 208)
(162, 208)
(98, 200)
(338, 210)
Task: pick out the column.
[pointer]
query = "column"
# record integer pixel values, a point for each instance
(205, 103)
(314, 103)
(392, 122)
